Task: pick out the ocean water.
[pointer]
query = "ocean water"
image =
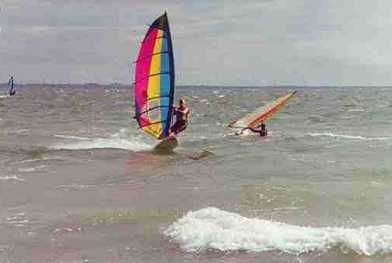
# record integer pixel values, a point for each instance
(79, 182)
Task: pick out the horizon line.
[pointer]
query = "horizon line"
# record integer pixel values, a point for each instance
(206, 86)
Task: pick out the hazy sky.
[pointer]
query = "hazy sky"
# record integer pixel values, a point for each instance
(222, 42)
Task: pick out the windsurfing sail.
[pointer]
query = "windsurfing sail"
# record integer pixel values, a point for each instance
(11, 90)
(154, 80)
(262, 113)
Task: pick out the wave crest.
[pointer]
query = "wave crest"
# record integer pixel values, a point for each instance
(114, 142)
(350, 137)
(212, 228)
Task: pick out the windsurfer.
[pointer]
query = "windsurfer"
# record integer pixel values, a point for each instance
(261, 129)
(11, 85)
(183, 114)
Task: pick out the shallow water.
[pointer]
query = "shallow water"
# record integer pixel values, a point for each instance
(78, 180)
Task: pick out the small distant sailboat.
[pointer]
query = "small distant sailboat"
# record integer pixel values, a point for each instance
(154, 83)
(261, 114)
(11, 89)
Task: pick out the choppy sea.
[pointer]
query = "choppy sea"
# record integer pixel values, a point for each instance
(79, 181)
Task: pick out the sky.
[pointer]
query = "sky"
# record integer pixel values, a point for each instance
(216, 42)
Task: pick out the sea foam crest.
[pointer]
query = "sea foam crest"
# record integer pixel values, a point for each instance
(13, 177)
(212, 228)
(350, 137)
(115, 142)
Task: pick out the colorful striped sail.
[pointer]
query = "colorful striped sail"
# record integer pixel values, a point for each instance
(262, 113)
(154, 80)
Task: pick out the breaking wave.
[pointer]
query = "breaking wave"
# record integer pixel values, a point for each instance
(350, 137)
(31, 169)
(114, 142)
(12, 178)
(212, 228)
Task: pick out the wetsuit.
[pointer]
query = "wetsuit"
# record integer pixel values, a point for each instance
(181, 120)
(262, 132)
(11, 83)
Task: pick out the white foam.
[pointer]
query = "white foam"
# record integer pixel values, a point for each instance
(74, 186)
(31, 169)
(211, 228)
(13, 178)
(39, 160)
(350, 137)
(99, 143)
(71, 137)
(247, 132)
(18, 220)
(242, 132)
(356, 110)
(114, 142)
(21, 131)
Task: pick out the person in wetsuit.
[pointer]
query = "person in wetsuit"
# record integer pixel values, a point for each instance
(261, 129)
(183, 114)
(11, 83)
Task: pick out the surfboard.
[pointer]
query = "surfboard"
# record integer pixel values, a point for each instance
(166, 145)
(262, 113)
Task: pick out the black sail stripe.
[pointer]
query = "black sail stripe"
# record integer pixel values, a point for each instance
(152, 75)
(154, 54)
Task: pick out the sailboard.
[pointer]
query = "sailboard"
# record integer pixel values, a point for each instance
(154, 82)
(166, 145)
(261, 114)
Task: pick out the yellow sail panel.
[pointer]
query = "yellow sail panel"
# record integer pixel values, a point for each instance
(153, 129)
(154, 85)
